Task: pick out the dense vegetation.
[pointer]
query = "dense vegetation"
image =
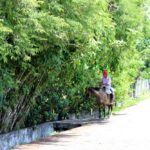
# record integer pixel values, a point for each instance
(51, 50)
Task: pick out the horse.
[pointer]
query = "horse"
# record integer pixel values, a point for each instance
(103, 100)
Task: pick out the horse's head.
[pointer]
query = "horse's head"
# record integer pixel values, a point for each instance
(88, 92)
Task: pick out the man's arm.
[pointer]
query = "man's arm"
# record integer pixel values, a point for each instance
(109, 81)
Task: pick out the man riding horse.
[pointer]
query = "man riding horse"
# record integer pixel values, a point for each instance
(105, 84)
(104, 95)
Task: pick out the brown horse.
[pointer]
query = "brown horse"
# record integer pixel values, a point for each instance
(103, 100)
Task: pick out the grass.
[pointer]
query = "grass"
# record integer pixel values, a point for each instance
(130, 102)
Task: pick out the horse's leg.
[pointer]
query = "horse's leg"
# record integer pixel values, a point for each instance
(110, 110)
(99, 109)
(110, 106)
(104, 111)
(107, 110)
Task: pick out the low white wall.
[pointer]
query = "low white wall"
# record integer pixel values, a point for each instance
(26, 135)
(141, 87)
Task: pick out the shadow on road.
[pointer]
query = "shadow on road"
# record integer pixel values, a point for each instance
(119, 114)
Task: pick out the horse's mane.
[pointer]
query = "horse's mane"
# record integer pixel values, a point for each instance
(97, 93)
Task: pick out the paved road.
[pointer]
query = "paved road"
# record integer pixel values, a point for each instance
(126, 130)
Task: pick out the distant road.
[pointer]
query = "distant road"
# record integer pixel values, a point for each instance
(126, 130)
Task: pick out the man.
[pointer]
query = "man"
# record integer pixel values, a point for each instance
(105, 84)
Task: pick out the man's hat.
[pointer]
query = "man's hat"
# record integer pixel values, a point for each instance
(105, 72)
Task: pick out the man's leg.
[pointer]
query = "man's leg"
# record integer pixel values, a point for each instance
(112, 95)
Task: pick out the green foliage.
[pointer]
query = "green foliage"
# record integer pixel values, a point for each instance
(51, 50)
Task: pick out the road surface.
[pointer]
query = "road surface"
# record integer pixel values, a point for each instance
(126, 130)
